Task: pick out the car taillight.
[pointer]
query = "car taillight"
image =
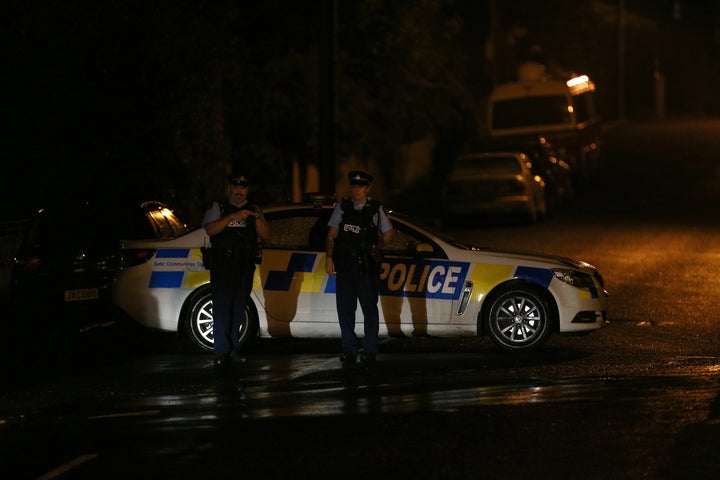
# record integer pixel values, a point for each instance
(132, 257)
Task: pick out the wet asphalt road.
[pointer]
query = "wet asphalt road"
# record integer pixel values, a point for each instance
(637, 399)
(430, 408)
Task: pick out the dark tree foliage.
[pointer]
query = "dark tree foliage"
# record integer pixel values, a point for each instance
(230, 87)
(378, 82)
(401, 76)
(238, 83)
(162, 97)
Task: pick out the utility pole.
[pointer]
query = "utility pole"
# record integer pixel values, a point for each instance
(326, 99)
(621, 59)
(494, 54)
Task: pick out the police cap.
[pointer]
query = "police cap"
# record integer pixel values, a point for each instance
(358, 177)
(238, 179)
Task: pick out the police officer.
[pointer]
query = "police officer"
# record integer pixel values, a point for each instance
(358, 229)
(235, 227)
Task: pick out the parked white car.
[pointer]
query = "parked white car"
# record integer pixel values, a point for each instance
(493, 184)
(430, 284)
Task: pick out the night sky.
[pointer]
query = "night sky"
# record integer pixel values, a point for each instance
(74, 97)
(76, 88)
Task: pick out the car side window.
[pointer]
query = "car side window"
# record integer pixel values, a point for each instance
(301, 230)
(289, 233)
(306, 230)
(403, 245)
(399, 245)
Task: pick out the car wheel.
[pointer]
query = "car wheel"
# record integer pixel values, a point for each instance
(197, 322)
(519, 319)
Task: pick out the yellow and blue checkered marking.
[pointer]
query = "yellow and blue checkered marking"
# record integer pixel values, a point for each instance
(172, 265)
(280, 280)
(434, 279)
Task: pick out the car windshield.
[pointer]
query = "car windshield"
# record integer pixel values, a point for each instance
(165, 224)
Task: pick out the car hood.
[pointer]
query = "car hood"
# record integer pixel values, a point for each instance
(529, 257)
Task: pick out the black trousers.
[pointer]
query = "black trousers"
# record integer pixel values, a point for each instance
(354, 285)
(231, 284)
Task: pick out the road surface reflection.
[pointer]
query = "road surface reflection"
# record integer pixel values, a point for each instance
(306, 385)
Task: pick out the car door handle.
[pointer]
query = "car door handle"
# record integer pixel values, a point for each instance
(467, 289)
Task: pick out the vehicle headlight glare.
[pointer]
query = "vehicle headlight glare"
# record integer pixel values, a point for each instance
(573, 277)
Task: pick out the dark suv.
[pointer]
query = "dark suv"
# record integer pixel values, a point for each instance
(69, 256)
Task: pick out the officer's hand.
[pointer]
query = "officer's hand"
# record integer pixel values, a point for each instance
(329, 266)
(242, 214)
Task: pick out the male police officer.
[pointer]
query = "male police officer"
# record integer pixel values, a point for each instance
(358, 229)
(235, 227)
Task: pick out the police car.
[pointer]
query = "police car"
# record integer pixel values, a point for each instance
(430, 285)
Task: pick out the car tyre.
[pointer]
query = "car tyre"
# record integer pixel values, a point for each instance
(518, 319)
(197, 322)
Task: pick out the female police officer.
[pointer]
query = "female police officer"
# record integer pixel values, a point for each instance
(358, 229)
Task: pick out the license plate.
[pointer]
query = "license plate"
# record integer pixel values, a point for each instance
(81, 295)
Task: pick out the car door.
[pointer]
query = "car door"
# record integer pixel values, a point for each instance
(297, 295)
(418, 283)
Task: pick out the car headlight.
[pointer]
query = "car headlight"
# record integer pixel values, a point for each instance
(573, 277)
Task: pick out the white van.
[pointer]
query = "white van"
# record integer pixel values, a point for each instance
(562, 111)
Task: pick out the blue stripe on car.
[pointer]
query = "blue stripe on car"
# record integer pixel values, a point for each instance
(172, 253)
(542, 276)
(166, 279)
